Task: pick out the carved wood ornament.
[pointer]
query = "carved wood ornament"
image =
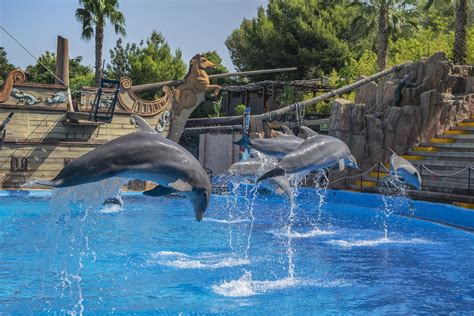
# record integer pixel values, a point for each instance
(14, 76)
(134, 104)
(189, 94)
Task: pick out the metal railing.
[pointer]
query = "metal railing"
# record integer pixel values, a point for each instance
(422, 169)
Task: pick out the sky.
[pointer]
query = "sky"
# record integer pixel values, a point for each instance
(194, 26)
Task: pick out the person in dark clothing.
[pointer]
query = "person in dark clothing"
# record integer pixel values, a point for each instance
(404, 82)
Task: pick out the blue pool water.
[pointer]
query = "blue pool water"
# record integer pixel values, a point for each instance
(252, 254)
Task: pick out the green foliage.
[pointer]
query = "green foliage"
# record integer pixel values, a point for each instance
(146, 62)
(310, 35)
(288, 96)
(216, 107)
(323, 108)
(79, 75)
(240, 109)
(93, 15)
(5, 66)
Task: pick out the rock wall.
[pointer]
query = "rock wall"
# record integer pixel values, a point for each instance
(436, 97)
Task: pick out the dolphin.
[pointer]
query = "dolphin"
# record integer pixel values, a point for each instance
(315, 153)
(276, 147)
(404, 171)
(144, 155)
(308, 132)
(251, 169)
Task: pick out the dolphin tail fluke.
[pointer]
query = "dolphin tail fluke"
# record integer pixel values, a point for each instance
(159, 190)
(244, 141)
(272, 173)
(48, 183)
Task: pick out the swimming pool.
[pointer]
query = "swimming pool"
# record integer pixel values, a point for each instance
(251, 254)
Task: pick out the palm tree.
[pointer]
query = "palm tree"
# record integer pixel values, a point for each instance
(93, 15)
(387, 17)
(460, 33)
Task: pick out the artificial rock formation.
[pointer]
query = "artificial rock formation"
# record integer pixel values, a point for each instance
(436, 97)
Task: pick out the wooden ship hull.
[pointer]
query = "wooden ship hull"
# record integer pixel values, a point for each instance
(42, 135)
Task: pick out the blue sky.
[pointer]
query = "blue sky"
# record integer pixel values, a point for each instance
(192, 25)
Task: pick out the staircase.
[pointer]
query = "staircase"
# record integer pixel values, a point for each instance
(448, 154)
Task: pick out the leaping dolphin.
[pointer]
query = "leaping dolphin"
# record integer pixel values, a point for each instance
(315, 153)
(144, 155)
(276, 147)
(404, 171)
(251, 169)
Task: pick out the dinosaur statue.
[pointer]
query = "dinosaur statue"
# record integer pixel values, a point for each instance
(189, 94)
(16, 75)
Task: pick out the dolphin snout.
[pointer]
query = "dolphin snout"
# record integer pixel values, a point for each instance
(200, 200)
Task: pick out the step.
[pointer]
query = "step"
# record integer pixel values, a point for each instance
(466, 124)
(453, 131)
(455, 137)
(450, 155)
(467, 129)
(426, 185)
(442, 164)
(427, 178)
(469, 120)
(432, 147)
(465, 205)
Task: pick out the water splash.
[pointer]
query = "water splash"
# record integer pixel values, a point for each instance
(290, 252)
(200, 261)
(253, 196)
(394, 196)
(67, 231)
(246, 286)
(348, 244)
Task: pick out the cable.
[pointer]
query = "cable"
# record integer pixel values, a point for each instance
(445, 175)
(34, 57)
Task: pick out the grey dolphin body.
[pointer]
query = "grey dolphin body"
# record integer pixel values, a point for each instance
(142, 155)
(251, 169)
(316, 153)
(404, 171)
(276, 147)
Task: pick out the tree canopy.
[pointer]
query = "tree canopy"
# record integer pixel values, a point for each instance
(5, 66)
(149, 61)
(79, 74)
(93, 15)
(308, 34)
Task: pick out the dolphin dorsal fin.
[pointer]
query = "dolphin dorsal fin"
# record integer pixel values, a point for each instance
(143, 125)
(287, 130)
(308, 131)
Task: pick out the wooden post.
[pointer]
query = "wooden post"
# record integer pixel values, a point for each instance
(62, 61)
(272, 107)
(265, 107)
(229, 94)
(247, 97)
(62, 68)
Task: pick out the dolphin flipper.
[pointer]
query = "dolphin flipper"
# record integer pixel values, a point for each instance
(49, 183)
(272, 173)
(244, 141)
(159, 190)
(143, 125)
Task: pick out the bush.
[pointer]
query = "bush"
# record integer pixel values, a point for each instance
(239, 109)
